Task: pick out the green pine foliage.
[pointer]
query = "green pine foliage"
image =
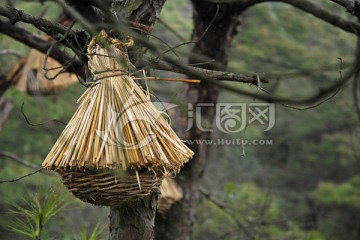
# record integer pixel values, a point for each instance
(34, 212)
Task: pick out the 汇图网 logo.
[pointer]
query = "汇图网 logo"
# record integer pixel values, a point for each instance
(232, 117)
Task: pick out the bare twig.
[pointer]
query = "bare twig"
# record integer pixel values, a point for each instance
(356, 95)
(49, 27)
(356, 83)
(10, 52)
(42, 45)
(198, 40)
(218, 75)
(77, 16)
(38, 124)
(322, 93)
(5, 108)
(315, 10)
(225, 209)
(168, 27)
(345, 3)
(18, 159)
(350, 5)
(319, 96)
(17, 179)
(24, 162)
(63, 68)
(75, 41)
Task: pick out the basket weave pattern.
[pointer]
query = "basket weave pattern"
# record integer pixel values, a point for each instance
(110, 188)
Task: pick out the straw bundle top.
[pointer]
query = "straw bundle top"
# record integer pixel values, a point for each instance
(116, 124)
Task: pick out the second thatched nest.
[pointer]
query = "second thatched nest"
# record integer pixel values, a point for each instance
(30, 76)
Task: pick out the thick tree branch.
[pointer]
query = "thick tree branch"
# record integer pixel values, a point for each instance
(77, 16)
(74, 65)
(218, 75)
(73, 40)
(49, 27)
(315, 10)
(181, 68)
(42, 45)
(348, 4)
(352, 6)
(35, 41)
(315, 98)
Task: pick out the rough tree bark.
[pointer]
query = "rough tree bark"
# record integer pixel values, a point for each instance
(136, 220)
(177, 224)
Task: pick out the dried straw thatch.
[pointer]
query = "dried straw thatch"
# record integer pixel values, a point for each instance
(170, 193)
(117, 147)
(116, 124)
(29, 74)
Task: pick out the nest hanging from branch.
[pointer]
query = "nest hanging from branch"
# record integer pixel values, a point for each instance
(116, 127)
(30, 76)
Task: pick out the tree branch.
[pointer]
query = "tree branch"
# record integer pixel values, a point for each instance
(10, 52)
(42, 45)
(35, 41)
(49, 27)
(352, 6)
(190, 71)
(24, 162)
(5, 108)
(19, 178)
(73, 40)
(348, 4)
(76, 66)
(218, 75)
(181, 68)
(316, 11)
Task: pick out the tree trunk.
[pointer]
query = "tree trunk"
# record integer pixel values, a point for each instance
(177, 224)
(135, 220)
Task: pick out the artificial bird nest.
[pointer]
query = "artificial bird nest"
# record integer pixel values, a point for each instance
(117, 146)
(30, 76)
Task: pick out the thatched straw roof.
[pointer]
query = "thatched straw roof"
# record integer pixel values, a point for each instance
(116, 124)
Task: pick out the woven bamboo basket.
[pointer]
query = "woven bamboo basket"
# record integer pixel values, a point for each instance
(110, 188)
(117, 147)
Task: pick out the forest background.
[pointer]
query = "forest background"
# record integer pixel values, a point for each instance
(303, 184)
